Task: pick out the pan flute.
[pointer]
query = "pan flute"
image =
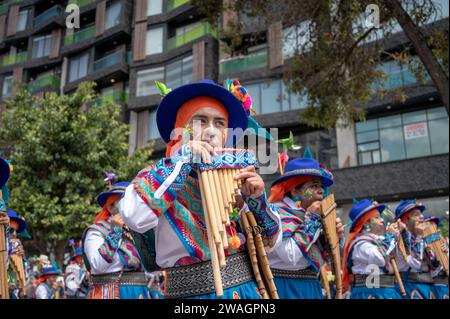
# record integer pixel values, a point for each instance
(17, 265)
(218, 190)
(4, 293)
(328, 213)
(437, 243)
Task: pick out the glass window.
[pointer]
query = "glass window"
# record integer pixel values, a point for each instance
(22, 20)
(408, 135)
(270, 97)
(41, 46)
(113, 13)
(78, 67)
(367, 136)
(184, 29)
(437, 113)
(392, 144)
(7, 86)
(153, 132)
(367, 126)
(439, 136)
(154, 7)
(414, 117)
(390, 121)
(179, 72)
(297, 38)
(154, 42)
(146, 81)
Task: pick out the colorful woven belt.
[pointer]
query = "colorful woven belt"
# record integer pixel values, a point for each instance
(307, 273)
(385, 281)
(419, 277)
(197, 279)
(131, 278)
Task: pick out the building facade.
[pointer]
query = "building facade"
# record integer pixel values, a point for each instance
(400, 152)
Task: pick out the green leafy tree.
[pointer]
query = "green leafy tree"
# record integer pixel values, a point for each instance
(60, 147)
(337, 52)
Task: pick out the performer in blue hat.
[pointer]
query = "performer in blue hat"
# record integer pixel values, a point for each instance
(46, 283)
(296, 261)
(422, 273)
(16, 225)
(165, 197)
(110, 254)
(75, 275)
(368, 252)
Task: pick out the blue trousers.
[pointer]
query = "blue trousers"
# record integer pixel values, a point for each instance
(248, 290)
(374, 293)
(298, 288)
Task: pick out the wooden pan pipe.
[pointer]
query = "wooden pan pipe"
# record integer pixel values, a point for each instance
(218, 190)
(328, 214)
(4, 292)
(17, 264)
(437, 243)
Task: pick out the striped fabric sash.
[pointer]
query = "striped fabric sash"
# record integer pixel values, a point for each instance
(127, 252)
(374, 241)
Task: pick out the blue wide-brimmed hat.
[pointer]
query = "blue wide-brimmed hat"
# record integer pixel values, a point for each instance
(304, 167)
(361, 208)
(407, 206)
(436, 220)
(4, 172)
(14, 216)
(166, 113)
(78, 252)
(50, 271)
(117, 188)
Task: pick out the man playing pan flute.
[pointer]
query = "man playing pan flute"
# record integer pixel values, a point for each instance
(297, 259)
(422, 273)
(368, 253)
(166, 197)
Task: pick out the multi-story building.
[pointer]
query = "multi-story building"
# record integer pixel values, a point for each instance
(400, 152)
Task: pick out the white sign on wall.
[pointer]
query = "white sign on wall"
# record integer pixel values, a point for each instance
(416, 130)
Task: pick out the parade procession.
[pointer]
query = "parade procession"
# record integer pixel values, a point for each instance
(201, 223)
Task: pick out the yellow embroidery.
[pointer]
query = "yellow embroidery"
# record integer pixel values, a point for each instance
(236, 295)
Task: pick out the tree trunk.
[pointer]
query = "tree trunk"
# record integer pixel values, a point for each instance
(424, 52)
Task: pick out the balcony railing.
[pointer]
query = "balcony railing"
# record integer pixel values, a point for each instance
(191, 35)
(257, 60)
(110, 60)
(81, 3)
(173, 4)
(79, 36)
(50, 80)
(55, 11)
(3, 8)
(13, 59)
(117, 96)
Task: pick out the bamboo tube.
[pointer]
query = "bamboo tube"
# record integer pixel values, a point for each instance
(4, 293)
(402, 248)
(219, 193)
(210, 207)
(253, 256)
(398, 278)
(218, 224)
(226, 204)
(264, 261)
(325, 282)
(212, 246)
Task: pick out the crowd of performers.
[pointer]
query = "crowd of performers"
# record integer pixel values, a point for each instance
(150, 241)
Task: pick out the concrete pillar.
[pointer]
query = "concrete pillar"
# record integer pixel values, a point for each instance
(133, 132)
(346, 146)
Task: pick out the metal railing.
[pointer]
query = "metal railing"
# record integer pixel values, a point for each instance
(173, 4)
(81, 3)
(55, 11)
(13, 59)
(48, 80)
(257, 60)
(190, 36)
(110, 60)
(79, 36)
